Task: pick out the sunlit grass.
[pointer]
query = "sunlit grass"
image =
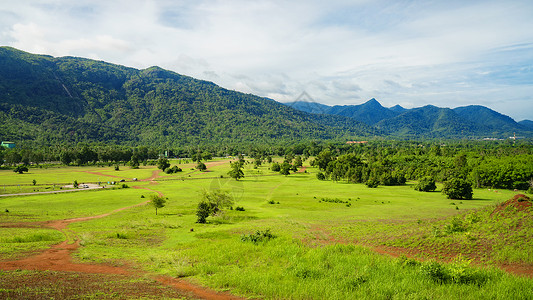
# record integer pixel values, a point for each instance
(312, 256)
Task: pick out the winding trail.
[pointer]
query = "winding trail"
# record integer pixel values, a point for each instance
(58, 257)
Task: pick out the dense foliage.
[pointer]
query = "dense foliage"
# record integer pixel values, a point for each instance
(492, 165)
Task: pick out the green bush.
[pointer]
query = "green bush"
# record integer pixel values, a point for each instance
(372, 183)
(457, 188)
(212, 203)
(258, 236)
(426, 184)
(458, 272)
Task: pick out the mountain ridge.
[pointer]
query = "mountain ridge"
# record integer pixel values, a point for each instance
(470, 120)
(70, 99)
(49, 100)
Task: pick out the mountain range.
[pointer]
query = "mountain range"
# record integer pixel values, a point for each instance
(47, 100)
(429, 121)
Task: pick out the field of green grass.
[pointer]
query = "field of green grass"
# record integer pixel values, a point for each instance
(322, 242)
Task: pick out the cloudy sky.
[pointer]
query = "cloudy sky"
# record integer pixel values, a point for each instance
(413, 53)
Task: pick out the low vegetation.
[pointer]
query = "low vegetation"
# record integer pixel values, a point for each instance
(298, 238)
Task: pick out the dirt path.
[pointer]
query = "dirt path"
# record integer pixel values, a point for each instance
(102, 174)
(58, 257)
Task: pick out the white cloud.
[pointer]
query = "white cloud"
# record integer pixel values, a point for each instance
(341, 52)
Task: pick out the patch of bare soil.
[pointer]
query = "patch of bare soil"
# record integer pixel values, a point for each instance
(519, 202)
(102, 174)
(75, 285)
(302, 170)
(155, 175)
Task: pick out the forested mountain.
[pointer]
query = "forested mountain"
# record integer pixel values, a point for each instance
(47, 100)
(369, 112)
(472, 121)
(527, 123)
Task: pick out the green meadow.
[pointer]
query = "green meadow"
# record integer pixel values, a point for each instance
(297, 237)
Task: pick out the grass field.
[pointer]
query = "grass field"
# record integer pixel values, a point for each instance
(324, 234)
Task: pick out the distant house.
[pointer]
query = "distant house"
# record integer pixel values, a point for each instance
(9, 145)
(356, 142)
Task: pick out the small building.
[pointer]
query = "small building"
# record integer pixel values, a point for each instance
(356, 142)
(9, 145)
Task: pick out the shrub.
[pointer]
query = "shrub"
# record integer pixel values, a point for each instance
(275, 167)
(435, 271)
(320, 176)
(20, 169)
(458, 272)
(426, 184)
(456, 188)
(201, 166)
(163, 163)
(258, 236)
(239, 208)
(211, 204)
(372, 183)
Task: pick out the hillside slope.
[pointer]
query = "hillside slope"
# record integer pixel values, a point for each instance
(49, 100)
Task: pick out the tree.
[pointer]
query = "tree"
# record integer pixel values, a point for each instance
(298, 161)
(275, 167)
(236, 171)
(207, 156)
(201, 166)
(12, 157)
(426, 184)
(457, 188)
(285, 168)
(212, 203)
(163, 163)
(157, 202)
(20, 169)
(323, 159)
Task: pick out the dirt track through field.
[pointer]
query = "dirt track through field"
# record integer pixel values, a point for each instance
(58, 257)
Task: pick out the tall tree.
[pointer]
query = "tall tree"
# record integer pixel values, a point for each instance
(236, 171)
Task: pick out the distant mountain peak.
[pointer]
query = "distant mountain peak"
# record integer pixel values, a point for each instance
(398, 108)
(372, 102)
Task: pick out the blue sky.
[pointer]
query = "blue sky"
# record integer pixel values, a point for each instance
(412, 53)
